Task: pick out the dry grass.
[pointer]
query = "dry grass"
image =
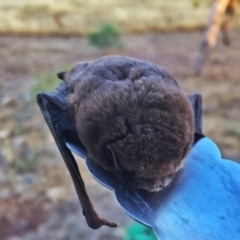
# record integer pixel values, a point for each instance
(81, 17)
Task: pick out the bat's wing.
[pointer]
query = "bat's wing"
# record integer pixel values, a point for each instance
(55, 111)
(196, 101)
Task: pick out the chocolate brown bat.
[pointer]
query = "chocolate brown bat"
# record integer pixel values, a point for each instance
(129, 116)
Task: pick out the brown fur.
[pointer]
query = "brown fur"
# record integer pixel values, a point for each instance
(138, 110)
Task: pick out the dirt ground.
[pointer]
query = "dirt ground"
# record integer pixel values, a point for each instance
(37, 199)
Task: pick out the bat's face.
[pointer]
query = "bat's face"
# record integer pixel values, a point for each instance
(152, 177)
(138, 127)
(149, 156)
(162, 175)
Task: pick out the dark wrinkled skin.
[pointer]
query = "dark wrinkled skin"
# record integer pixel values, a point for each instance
(132, 118)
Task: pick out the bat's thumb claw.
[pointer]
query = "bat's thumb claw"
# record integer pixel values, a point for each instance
(109, 224)
(96, 222)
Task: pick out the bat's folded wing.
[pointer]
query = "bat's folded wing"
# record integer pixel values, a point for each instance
(195, 100)
(55, 111)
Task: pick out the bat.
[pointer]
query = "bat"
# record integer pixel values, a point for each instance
(129, 117)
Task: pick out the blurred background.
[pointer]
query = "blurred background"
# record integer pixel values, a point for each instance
(39, 39)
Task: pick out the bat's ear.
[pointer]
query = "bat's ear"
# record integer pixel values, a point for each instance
(110, 154)
(61, 75)
(196, 101)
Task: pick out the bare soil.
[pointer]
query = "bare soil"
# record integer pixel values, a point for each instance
(37, 199)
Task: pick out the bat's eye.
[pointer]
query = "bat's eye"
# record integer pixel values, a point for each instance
(111, 155)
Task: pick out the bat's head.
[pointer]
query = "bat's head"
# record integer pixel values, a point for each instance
(139, 129)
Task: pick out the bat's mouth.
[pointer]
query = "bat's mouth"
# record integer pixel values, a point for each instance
(158, 183)
(153, 185)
